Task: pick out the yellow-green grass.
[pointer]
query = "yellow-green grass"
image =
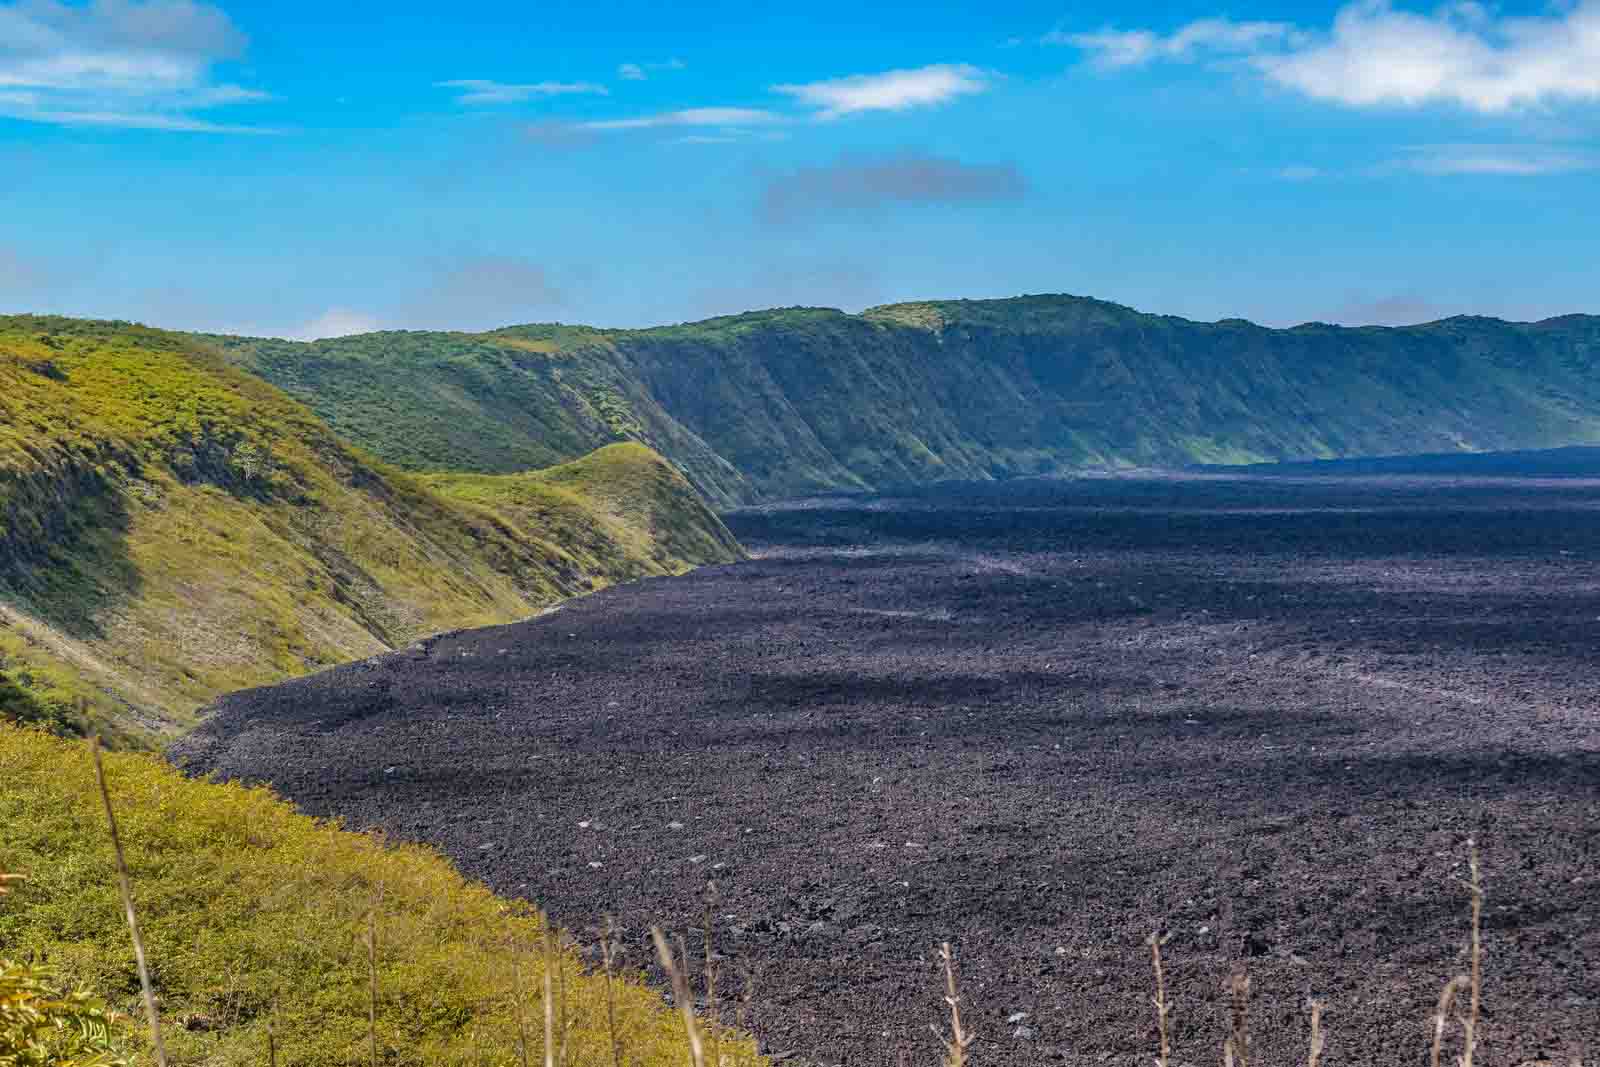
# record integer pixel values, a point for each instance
(619, 511)
(253, 913)
(172, 528)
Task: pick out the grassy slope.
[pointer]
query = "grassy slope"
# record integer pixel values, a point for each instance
(650, 519)
(251, 911)
(781, 402)
(172, 528)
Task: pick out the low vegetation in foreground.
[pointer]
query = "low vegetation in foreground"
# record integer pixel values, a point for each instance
(258, 926)
(172, 528)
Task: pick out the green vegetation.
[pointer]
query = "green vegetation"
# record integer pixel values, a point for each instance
(172, 528)
(254, 915)
(798, 400)
(41, 1026)
(495, 403)
(619, 511)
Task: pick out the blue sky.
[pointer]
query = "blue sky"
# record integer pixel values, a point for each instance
(274, 168)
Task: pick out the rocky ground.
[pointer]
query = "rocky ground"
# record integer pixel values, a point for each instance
(1264, 715)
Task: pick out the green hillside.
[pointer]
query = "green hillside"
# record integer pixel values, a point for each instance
(782, 402)
(172, 528)
(256, 919)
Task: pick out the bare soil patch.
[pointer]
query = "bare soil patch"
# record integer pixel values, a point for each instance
(1038, 719)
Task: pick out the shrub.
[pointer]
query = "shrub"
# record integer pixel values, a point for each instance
(42, 1027)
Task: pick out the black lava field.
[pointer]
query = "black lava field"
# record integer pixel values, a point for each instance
(1038, 720)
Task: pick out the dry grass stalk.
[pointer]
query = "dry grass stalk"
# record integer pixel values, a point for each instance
(713, 1014)
(608, 954)
(1314, 1057)
(746, 995)
(126, 886)
(562, 1026)
(1469, 1026)
(517, 992)
(1441, 1014)
(272, 1045)
(680, 993)
(549, 993)
(956, 1045)
(372, 974)
(1237, 1049)
(1164, 1055)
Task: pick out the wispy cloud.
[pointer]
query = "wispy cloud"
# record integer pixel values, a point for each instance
(484, 91)
(856, 185)
(1514, 161)
(822, 101)
(895, 90)
(733, 117)
(1298, 172)
(1374, 54)
(1111, 49)
(638, 72)
(142, 64)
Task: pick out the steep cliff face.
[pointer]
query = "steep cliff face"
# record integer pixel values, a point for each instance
(172, 528)
(791, 401)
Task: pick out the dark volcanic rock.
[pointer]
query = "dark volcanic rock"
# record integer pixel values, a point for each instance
(1264, 715)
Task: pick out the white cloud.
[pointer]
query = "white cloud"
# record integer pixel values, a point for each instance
(1112, 49)
(144, 64)
(1460, 55)
(1374, 54)
(483, 91)
(695, 116)
(895, 90)
(335, 322)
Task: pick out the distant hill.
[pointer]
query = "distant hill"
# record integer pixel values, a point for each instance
(778, 403)
(172, 528)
